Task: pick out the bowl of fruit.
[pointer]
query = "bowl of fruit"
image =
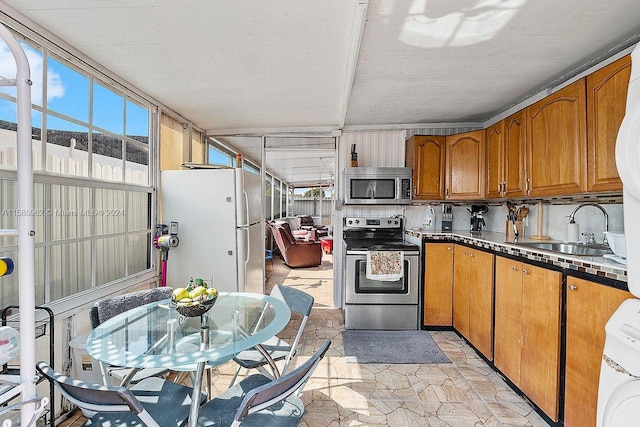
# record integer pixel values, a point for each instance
(194, 300)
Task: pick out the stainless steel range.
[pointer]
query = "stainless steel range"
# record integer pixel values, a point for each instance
(387, 301)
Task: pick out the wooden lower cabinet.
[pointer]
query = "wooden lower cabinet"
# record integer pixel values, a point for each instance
(473, 297)
(438, 284)
(589, 307)
(527, 335)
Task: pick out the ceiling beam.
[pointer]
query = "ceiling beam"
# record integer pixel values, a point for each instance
(357, 29)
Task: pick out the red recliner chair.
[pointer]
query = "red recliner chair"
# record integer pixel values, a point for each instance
(295, 253)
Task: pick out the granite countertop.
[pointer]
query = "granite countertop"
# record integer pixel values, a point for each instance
(498, 242)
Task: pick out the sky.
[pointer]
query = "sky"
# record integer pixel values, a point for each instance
(68, 93)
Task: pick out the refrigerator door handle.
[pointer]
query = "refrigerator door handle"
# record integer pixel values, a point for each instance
(245, 232)
(246, 210)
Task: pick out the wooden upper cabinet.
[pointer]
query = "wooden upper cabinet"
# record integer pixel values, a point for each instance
(515, 139)
(465, 166)
(556, 142)
(426, 155)
(495, 161)
(606, 105)
(505, 167)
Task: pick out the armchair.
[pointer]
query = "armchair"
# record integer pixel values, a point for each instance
(295, 253)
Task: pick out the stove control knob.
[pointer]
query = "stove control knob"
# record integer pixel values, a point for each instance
(357, 221)
(349, 222)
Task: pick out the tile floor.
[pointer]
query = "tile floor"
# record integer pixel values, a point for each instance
(463, 393)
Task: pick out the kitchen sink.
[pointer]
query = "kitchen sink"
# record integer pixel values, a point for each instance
(576, 249)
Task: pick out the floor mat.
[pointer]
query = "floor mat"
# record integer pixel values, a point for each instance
(391, 347)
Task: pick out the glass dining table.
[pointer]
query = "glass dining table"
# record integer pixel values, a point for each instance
(155, 335)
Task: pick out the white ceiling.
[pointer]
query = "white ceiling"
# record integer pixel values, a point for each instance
(255, 66)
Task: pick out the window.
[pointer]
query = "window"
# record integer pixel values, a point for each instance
(89, 232)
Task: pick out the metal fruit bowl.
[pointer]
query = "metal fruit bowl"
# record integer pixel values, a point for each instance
(194, 308)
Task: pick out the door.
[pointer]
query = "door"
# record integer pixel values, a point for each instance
(248, 196)
(557, 142)
(481, 301)
(540, 358)
(465, 165)
(514, 170)
(207, 217)
(250, 259)
(606, 104)
(495, 161)
(426, 155)
(438, 284)
(589, 307)
(508, 302)
(461, 290)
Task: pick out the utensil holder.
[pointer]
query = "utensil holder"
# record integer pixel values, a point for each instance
(510, 232)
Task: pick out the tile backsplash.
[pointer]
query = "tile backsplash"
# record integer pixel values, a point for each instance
(555, 219)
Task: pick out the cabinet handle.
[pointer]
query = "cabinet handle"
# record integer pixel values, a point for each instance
(472, 255)
(572, 287)
(514, 268)
(525, 271)
(446, 192)
(526, 187)
(466, 253)
(448, 248)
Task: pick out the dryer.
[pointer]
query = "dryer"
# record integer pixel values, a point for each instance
(619, 389)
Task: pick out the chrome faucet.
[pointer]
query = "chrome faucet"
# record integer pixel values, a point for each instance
(606, 220)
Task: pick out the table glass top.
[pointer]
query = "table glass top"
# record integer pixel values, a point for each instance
(142, 338)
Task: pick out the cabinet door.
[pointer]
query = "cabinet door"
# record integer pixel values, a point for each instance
(481, 301)
(465, 156)
(589, 307)
(606, 105)
(557, 142)
(461, 290)
(508, 334)
(514, 155)
(438, 284)
(495, 161)
(540, 358)
(426, 155)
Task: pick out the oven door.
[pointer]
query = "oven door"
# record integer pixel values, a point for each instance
(360, 290)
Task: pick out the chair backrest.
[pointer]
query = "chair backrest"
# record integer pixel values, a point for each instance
(105, 309)
(282, 235)
(281, 388)
(93, 397)
(299, 302)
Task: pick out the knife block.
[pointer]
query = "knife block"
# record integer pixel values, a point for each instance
(509, 230)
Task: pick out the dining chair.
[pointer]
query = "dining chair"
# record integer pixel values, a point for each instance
(278, 349)
(261, 401)
(152, 402)
(107, 308)
(268, 256)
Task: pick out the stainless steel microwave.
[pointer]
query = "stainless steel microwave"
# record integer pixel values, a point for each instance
(378, 186)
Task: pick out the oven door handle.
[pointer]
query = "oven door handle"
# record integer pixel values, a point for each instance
(406, 253)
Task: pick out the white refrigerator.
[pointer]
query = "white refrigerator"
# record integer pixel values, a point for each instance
(220, 214)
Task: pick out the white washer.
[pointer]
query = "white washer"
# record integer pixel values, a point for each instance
(619, 392)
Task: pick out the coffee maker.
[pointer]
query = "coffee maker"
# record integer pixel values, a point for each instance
(477, 220)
